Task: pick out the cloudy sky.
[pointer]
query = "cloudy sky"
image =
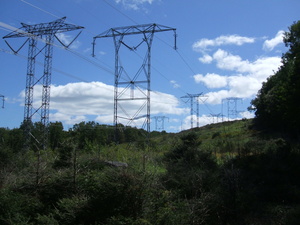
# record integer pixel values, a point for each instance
(226, 49)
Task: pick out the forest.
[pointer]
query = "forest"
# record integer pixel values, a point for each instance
(236, 172)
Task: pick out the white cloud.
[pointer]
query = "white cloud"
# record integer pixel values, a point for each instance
(227, 61)
(204, 43)
(243, 86)
(67, 119)
(203, 120)
(216, 97)
(166, 103)
(75, 102)
(261, 68)
(246, 79)
(186, 123)
(67, 39)
(206, 59)
(243, 77)
(87, 50)
(134, 4)
(174, 84)
(104, 119)
(102, 53)
(247, 114)
(211, 80)
(269, 45)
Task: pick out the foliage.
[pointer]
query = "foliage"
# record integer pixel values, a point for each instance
(56, 134)
(227, 173)
(276, 103)
(189, 170)
(261, 184)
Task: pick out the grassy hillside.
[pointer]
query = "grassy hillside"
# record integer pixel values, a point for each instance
(226, 173)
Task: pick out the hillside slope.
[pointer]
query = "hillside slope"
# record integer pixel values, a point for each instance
(226, 173)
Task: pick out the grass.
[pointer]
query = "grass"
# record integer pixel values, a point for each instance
(223, 139)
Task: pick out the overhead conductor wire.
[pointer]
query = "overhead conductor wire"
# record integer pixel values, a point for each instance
(100, 66)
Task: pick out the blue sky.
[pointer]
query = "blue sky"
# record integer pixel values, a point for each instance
(226, 48)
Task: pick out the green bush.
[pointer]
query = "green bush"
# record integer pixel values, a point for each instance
(189, 170)
(111, 192)
(17, 208)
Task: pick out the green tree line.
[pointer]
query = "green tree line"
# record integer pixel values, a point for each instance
(277, 103)
(232, 173)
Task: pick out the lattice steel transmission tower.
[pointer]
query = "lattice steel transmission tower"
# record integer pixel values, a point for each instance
(217, 115)
(193, 98)
(3, 99)
(232, 111)
(160, 122)
(45, 33)
(128, 86)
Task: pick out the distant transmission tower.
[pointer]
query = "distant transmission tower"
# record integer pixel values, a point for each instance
(160, 122)
(44, 32)
(3, 99)
(218, 115)
(232, 111)
(193, 98)
(127, 87)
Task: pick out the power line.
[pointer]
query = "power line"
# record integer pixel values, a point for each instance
(181, 89)
(120, 12)
(56, 16)
(87, 59)
(105, 68)
(8, 27)
(128, 17)
(194, 98)
(48, 31)
(142, 76)
(191, 69)
(40, 9)
(232, 111)
(171, 100)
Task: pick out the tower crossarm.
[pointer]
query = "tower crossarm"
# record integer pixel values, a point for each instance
(192, 95)
(135, 29)
(46, 32)
(143, 75)
(43, 29)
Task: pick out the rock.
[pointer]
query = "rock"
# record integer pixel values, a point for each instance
(117, 164)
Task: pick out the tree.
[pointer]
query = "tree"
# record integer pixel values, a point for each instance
(276, 104)
(190, 170)
(56, 134)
